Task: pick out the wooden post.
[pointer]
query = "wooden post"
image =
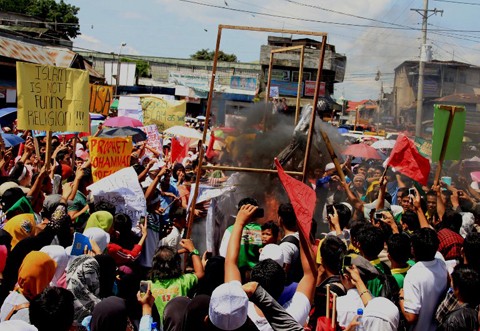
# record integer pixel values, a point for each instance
(191, 214)
(267, 93)
(75, 140)
(35, 144)
(314, 110)
(438, 172)
(48, 151)
(254, 170)
(299, 89)
(356, 119)
(334, 157)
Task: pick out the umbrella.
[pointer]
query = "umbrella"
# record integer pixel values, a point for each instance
(122, 121)
(362, 150)
(184, 131)
(342, 130)
(11, 140)
(383, 144)
(127, 131)
(8, 115)
(95, 116)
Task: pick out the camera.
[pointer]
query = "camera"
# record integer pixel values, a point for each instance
(259, 213)
(412, 192)
(330, 210)
(378, 216)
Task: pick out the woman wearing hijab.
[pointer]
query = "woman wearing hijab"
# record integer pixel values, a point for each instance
(100, 219)
(20, 227)
(109, 314)
(98, 235)
(83, 280)
(58, 254)
(34, 275)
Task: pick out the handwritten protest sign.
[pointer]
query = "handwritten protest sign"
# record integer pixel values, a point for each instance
(154, 140)
(100, 99)
(108, 155)
(163, 113)
(52, 98)
(123, 191)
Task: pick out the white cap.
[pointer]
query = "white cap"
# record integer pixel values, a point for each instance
(274, 252)
(228, 306)
(329, 166)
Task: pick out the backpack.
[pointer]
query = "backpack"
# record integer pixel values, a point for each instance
(295, 273)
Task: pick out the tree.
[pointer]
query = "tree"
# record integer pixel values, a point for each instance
(61, 16)
(207, 55)
(142, 67)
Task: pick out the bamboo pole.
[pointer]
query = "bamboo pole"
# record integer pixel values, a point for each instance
(446, 137)
(191, 214)
(334, 157)
(314, 110)
(299, 88)
(254, 170)
(48, 150)
(285, 31)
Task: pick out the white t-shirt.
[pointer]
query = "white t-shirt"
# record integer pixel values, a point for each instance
(298, 308)
(172, 239)
(424, 286)
(381, 314)
(290, 251)
(347, 307)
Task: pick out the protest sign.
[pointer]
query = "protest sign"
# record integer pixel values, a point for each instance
(100, 99)
(52, 98)
(454, 143)
(123, 191)
(154, 140)
(423, 146)
(163, 113)
(108, 155)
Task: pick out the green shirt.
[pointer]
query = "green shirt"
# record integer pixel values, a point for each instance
(375, 285)
(249, 245)
(165, 290)
(79, 202)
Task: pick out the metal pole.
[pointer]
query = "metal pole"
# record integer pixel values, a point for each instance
(254, 170)
(299, 89)
(117, 80)
(421, 69)
(191, 214)
(314, 110)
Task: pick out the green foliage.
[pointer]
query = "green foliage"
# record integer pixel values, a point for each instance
(62, 16)
(143, 67)
(207, 55)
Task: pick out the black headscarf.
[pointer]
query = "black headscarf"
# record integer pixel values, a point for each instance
(107, 274)
(109, 314)
(174, 312)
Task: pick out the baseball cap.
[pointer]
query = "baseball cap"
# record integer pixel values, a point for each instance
(274, 252)
(228, 306)
(329, 166)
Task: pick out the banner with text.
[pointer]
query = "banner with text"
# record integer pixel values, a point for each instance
(108, 155)
(163, 113)
(154, 140)
(123, 191)
(100, 99)
(52, 98)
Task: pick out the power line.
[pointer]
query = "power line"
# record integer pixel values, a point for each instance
(460, 2)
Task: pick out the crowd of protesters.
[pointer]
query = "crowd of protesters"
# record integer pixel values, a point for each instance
(397, 255)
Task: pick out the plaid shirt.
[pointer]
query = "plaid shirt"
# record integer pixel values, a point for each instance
(449, 304)
(451, 244)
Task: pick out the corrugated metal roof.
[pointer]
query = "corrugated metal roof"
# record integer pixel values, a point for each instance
(23, 51)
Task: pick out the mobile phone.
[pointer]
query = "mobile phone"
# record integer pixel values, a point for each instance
(144, 286)
(330, 210)
(346, 262)
(411, 191)
(208, 255)
(143, 220)
(378, 216)
(259, 213)
(460, 193)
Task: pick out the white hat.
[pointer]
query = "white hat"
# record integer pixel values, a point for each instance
(381, 314)
(98, 235)
(329, 166)
(474, 185)
(16, 325)
(274, 252)
(228, 306)
(167, 141)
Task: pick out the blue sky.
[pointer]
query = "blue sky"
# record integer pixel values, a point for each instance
(174, 28)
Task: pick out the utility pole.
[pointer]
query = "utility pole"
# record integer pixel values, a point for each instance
(421, 68)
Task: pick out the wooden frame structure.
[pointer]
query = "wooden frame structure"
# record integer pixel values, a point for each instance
(300, 75)
(209, 106)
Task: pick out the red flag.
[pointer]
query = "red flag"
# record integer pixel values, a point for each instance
(210, 151)
(302, 197)
(406, 159)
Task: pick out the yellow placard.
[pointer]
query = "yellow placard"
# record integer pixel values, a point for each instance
(108, 155)
(52, 98)
(100, 99)
(163, 113)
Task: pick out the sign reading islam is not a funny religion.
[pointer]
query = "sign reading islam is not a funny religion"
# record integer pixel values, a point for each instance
(52, 98)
